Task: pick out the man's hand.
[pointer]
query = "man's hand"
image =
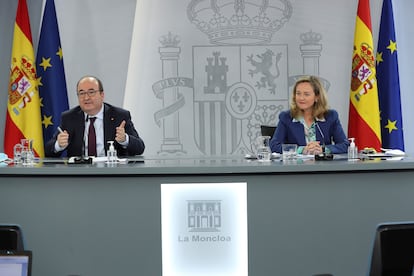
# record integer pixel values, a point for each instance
(120, 136)
(63, 139)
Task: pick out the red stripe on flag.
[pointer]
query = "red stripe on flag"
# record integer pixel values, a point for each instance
(12, 135)
(22, 19)
(364, 13)
(361, 131)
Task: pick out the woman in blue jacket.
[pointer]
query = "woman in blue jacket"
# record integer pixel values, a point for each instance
(310, 123)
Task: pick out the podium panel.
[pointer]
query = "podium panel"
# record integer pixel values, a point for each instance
(204, 229)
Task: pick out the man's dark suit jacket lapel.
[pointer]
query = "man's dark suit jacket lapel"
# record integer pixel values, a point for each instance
(79, 143)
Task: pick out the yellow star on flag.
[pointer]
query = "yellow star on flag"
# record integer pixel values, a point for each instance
(391, 126)
(39, 81)
(392, 46)
(47, 121)
(60, 53)
(45, 63)
(378, 58)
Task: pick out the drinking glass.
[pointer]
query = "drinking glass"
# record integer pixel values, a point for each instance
(289, 152)
(17, 153)
(27, 154)
(263, 150)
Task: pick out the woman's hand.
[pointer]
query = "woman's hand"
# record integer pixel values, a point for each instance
(312, 148)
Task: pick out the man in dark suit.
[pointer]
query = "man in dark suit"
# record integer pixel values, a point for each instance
(110, 123)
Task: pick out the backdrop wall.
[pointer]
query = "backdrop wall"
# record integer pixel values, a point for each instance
(158, 65)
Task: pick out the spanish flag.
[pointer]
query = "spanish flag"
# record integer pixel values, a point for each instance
(364, 117)
(23, 119)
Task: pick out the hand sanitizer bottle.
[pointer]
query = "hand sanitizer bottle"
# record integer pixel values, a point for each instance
(352, 150)
(111, 154)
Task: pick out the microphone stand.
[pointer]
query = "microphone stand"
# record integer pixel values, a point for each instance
(83, 159)
(323, 156)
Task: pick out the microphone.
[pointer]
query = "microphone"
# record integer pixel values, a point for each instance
(84, 158)
(83, 154)
(323, 155)
(323, 137)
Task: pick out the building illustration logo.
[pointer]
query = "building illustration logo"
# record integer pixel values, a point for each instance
(204, 223)
(204, 215)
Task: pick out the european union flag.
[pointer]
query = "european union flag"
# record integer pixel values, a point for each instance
(51, 73)
(388, 82)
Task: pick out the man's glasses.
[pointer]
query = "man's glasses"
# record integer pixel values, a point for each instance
(90, 93)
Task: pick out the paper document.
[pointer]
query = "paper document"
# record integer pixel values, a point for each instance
(105, 159)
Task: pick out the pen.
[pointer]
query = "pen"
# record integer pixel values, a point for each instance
(60, 130)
